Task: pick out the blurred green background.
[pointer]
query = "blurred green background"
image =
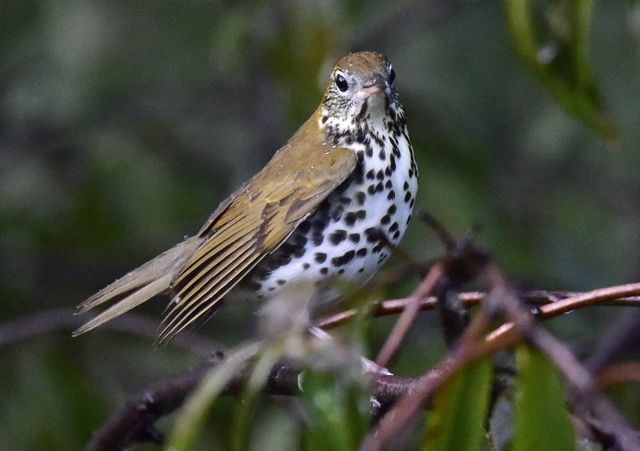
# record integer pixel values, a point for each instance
(124, 123)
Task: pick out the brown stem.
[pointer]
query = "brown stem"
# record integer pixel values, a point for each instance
(408, 315)
(574, 300)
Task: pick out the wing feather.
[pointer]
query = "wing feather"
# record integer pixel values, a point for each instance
(214, 289)
(257, 220)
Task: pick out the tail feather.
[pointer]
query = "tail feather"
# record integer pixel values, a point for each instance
(140, 285)
(133, 300)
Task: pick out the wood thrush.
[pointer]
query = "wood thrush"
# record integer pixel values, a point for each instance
(331, 203)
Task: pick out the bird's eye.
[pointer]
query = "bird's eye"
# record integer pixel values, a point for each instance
(392, 76)
(341, 83)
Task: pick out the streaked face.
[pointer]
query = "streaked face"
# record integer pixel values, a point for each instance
(360, 83)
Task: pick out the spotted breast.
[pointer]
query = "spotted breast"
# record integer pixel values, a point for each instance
(353, 231)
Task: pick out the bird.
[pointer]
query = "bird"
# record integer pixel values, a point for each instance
(330, 205)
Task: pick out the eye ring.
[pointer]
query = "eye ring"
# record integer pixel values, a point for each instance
(392, 76)
(341, 83)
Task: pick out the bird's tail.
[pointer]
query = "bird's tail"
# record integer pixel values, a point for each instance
(138, 286)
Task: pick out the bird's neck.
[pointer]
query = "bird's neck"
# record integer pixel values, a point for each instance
(373, 121)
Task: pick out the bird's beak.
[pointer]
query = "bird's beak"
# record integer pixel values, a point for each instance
(375, 85)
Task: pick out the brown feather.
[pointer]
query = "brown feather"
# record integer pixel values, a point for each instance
(258, 219)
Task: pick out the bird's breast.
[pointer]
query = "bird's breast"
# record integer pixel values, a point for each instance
(353, 231)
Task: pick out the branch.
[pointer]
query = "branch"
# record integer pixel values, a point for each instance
(535, 298)
(604, 418)
(134, 421)
(408, 315)
(55, 320)
(588, 403)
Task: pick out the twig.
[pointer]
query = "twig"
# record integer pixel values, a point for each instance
(134, 421)
(621, 339)
(619, 373)
(588, 403)
(591, 297)
(54, 320)
(404, 322)
(470, 346)
(473, 298)
(522, 325)
(441, 231)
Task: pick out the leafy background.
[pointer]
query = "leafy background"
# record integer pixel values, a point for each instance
(123, 124)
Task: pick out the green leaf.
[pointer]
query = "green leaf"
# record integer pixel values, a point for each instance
(337, 406)
(193, 413)
(560, 58)
(459, 410)
(542, 420)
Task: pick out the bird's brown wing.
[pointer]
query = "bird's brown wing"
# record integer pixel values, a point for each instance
(259, 218)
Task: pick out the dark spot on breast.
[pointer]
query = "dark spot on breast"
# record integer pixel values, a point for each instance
(304, 227)
(306, 265)
(354, 237)
(361, 252)
(361, 197)
(350, 219)
(380, 174)
(370, 174)
(392, 209)
(320, 257)
(281, 281)
(386, 219)
(318, 224)
(254, 285)
(343, 259)
(336, 213)
(338, 236)
(391, 195)
(372, 234)
(324, 270)
(393, 227)
(407, 197)
(317, 238)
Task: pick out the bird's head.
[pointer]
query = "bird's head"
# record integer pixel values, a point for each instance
(360, 90)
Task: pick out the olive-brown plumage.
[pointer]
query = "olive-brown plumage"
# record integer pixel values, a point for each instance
(278, 212)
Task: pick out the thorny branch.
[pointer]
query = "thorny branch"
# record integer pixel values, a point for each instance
(134, 421)
(596, 410)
